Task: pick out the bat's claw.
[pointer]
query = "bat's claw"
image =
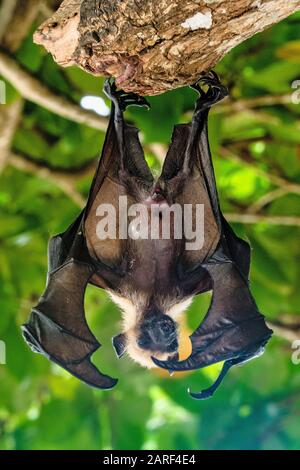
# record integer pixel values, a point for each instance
(211, 80)
(215, 92)
(164, 365)
(122, 99)
(110, 88)
(173, 358)
(174, 366)
(203, 395)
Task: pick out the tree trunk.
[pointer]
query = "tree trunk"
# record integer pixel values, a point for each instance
(151, 46)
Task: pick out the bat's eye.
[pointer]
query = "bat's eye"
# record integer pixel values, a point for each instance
(166, 327)
(144, 341)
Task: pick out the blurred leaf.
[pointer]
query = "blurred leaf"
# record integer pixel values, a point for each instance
(275, 78)
(30, 55)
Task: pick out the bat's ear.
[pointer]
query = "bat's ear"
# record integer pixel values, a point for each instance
(119, 343)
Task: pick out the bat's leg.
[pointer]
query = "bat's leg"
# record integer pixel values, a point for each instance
(215, 92)
(121, 100)
(208, 392)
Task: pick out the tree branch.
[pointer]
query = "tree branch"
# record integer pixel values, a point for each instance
(268, 219)
(286, 330)
(33, 90)
(231, 106)
(6, 14)
(16, 17)
(276, 180)
(64, 180)
(266, 199)
(21, 18)
(152, 46)
(9, 120)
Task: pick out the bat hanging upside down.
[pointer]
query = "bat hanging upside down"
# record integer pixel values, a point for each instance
(152, 278)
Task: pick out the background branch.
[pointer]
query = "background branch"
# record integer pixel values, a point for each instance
(33, 90)
(16, 17)
(257, 218)
(6, 14)
(230, 106)
(9, 120)
(65, 180)
(19, 22)
(289, 331)
(266, 199)
(275, 179)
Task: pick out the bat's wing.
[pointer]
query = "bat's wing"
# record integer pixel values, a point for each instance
(233, 329)
(57, 327)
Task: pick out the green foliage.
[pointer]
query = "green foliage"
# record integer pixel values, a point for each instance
(43, 407)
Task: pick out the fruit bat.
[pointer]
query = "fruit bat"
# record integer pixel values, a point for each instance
(153, 280)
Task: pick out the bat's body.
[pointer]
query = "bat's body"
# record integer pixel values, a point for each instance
(154, 279)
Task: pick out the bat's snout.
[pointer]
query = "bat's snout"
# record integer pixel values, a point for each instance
(158, 333)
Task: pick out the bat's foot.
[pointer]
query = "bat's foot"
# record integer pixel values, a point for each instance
(120, 98)
(213, 93)
(208, 392)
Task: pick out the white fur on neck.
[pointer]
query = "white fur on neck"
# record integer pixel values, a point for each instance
(177, 310)
(131, 310)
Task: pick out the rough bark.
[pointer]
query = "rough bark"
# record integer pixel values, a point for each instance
(151, 46)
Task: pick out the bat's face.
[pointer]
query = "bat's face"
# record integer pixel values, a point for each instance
(147, 333)
(158, 333)
(156, 336)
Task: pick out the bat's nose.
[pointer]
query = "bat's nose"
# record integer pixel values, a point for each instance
(160, 334)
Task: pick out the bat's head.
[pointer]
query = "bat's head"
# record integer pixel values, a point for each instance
(157, 333)
(146, 334)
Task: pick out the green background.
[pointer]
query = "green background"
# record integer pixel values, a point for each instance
(43, 407)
